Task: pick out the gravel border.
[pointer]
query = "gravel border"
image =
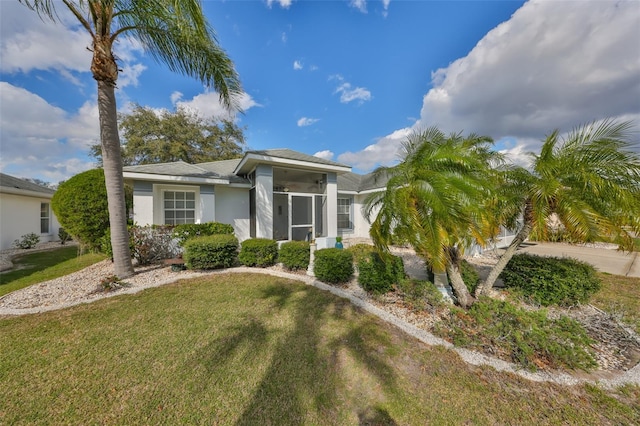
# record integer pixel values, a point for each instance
(155, 276)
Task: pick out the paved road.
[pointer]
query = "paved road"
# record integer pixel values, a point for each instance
(605, 260)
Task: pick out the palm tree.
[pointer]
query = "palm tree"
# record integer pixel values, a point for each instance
(590, 180)
(433, 200)
(174, 32)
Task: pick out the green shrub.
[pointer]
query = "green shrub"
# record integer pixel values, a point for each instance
(152, 243)
(260, 252)
(211, 252)
(529, 337)
(469, 276)
(63, 235)
(294, 255)
(332, 265)
(551, 280)
(360, 251)
(80, 204)
(104, 244)
(378, 274)
(27, 241)
(420, 293)
(189, 230)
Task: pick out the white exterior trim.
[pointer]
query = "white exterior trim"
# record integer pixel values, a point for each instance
(174, 179)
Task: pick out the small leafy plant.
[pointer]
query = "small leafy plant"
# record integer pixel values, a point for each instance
(27, 241)
(111, 283)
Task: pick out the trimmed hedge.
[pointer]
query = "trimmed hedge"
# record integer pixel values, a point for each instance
(360, 251)
(551, 280)
(260, 252)
(211, 252)
(378, 275)
(190, 230)
(294, 255)
(332, 265)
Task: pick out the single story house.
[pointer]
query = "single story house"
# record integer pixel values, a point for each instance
(276, 193)
(25, 208)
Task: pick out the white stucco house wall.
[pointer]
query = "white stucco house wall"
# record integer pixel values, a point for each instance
(25, 208)
(277, 193)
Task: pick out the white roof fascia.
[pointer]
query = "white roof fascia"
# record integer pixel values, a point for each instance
(172, 178)
(371, 191)
(25, 192)
(254, 158)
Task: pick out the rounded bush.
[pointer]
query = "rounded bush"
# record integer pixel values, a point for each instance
(551, 280)
(211, 252)
(260, 252)
(294, 255)
(80, 205)
(378, 275)
(332, 265)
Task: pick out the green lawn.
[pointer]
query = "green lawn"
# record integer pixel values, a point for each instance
(620, 296)
(36, 267)
(251, 349)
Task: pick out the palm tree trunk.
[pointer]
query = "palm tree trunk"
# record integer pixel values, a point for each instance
(485, 287)
(465, 300)
(112, 163)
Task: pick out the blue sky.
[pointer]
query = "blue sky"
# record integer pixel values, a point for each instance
(344, 80)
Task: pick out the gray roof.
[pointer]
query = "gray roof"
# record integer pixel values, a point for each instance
(358, 183)
(7, 181)
(289, 154)
(177, 168)
(224, 169)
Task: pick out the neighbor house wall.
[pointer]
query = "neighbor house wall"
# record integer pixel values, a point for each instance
(20, 215)
(232, 207)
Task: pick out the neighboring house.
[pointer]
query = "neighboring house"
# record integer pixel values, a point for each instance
(25, 208)
(276, 193)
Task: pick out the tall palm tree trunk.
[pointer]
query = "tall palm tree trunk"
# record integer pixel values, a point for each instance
(112, 163)
(485, 287)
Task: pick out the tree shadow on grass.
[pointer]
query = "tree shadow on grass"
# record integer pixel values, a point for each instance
(303, 381)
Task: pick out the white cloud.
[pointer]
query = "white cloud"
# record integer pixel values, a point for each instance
(43, 141)
(306, 121)
(553, 65)
(349, 93)
(326, 155)
(175, 97)
(208, 104)
(283, 3)
(27, 42)
(361, 5)
(297, 65)
(383, 152)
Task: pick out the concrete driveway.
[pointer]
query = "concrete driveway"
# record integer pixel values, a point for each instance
(605, 260)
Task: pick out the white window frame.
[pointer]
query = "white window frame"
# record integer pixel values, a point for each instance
(47, 217)
(195, 208)
(349, 199)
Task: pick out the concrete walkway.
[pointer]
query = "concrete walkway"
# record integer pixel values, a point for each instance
(607, 260)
